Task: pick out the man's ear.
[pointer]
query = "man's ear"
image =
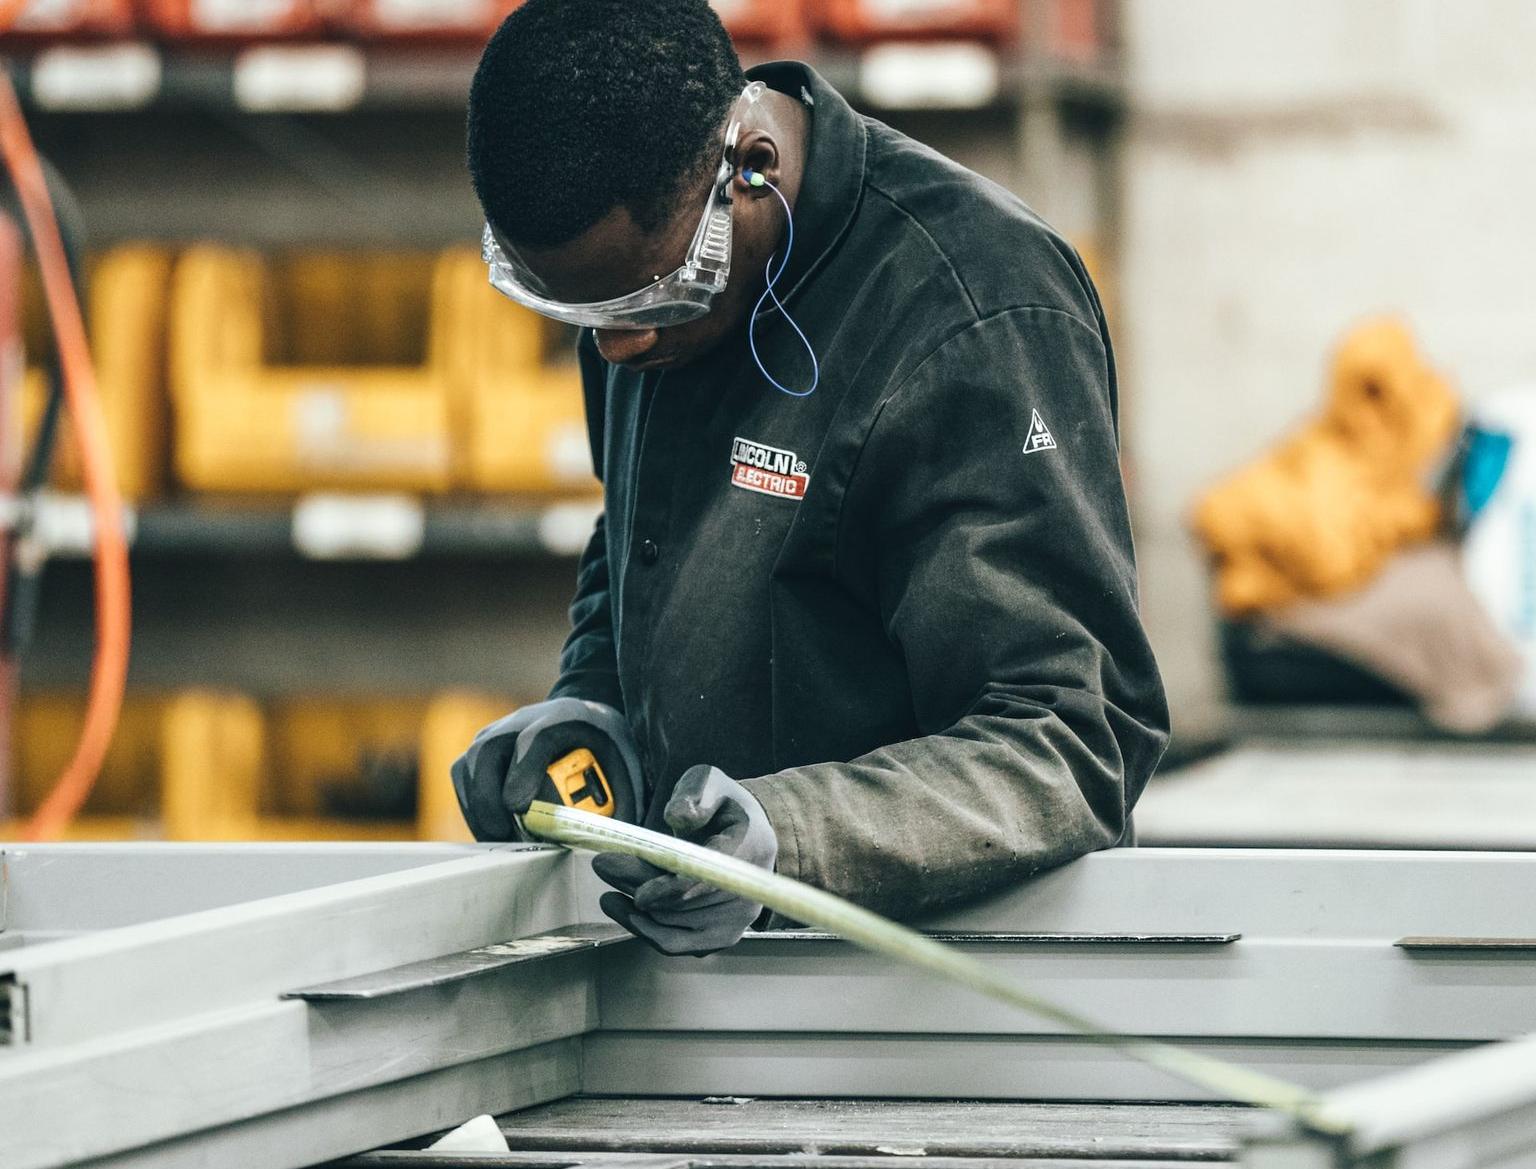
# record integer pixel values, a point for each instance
(758, 152)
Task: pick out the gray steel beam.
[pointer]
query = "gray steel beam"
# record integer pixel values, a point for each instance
(341, 1125)
(1475, 1110)
(135, 1028)
(166, 971)
(83, 887)
(148, 1085)
(935, 1066)
(1328, 991)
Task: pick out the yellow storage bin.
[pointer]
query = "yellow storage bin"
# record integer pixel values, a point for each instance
(319, 768)
(1096, 260)
(450, 724)
(236, 770)
(209, 765)
(46, 730)
(213, 758)
(329, 756)
(128, 294)
(264, 395)
(517, 391)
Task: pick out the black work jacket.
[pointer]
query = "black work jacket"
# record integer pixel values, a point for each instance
(902, 610)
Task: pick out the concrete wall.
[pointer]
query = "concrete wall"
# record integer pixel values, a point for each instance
(1290, 166)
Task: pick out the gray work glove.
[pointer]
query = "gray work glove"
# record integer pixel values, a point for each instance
(679, 915)
(504, 769)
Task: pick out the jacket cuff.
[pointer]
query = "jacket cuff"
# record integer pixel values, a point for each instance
(591, 685)
(780, 807)
(781, 815)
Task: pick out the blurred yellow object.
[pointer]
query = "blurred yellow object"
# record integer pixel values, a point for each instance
(353, 308)
(451, 722)
(1321, 513)
(209, 765)
(520, 414)
(246, 421)
(47, 726)
(322, 747)
(532, 438)
(129, 289)
(213, 757)
(1096, 260)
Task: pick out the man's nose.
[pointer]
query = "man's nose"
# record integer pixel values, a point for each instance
(622, 346)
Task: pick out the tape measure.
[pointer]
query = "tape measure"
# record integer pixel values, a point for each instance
(816, 907)
(580, 783)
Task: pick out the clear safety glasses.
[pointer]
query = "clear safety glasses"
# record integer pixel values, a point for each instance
(685, 295)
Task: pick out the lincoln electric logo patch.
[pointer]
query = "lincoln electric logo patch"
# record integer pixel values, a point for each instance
(755, 467)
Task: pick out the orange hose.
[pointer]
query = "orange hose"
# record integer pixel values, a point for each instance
(109, 671)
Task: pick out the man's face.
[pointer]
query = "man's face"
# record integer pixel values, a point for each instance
(615, 257)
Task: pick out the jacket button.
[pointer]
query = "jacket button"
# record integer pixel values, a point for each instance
(649, 553)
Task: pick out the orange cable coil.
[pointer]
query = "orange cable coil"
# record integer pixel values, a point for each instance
(128, 291)
(109, 670)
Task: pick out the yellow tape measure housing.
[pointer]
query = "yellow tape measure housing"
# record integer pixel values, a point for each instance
(580, 783)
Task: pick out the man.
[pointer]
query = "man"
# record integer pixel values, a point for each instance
(882, 636)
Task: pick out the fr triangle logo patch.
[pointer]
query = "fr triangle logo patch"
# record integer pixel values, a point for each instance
(1039, 435)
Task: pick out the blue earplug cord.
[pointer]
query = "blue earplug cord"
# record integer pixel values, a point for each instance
(755, 179)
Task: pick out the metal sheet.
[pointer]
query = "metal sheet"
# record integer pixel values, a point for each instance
(1327, 991)
(155, 1031)
(451, 968)
(390, 1112)
(85, 887)
(118, 1093)
(818, 1128)
(1267, 893)
(977, 1067)
(1006, 938)
(125, 979)
(427, 1160)
(1315, 989)
(139, 1087)
(1476, 1110)
(1343, 794)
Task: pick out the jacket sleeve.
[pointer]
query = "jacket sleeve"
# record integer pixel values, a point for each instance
(589, 664)
(1004, 573)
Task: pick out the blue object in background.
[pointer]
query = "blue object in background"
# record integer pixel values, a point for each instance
(1487, 458)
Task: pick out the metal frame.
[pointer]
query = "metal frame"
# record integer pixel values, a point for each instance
(1476, 1110)
(176, 1029)
(177, 1023)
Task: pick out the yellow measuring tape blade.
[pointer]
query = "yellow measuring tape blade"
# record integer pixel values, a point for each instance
(815, 907)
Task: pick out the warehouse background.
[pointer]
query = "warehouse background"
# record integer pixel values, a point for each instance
(1290, 168)
(354, 534)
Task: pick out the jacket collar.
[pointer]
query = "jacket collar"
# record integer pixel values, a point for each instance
(834, 167)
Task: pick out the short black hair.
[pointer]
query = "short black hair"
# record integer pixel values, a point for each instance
(581, 106)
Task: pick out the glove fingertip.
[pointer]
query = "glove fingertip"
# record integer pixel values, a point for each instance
(625, 873)
(668, 891)
(617, 906)
(622, 910)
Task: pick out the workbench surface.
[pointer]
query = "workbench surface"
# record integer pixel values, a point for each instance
(731, 1133)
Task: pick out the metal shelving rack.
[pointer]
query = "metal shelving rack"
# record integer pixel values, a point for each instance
(333, 528)
(344, 78)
